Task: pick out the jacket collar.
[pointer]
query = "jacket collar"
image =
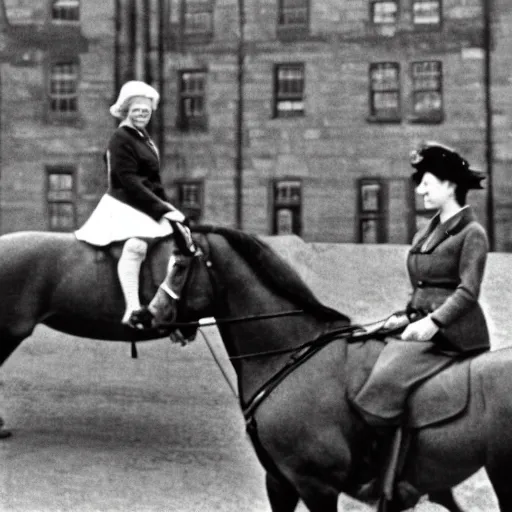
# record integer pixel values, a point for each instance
(144, 135)
(436, 233)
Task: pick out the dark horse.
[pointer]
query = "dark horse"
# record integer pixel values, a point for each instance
(306, 434)
(54, 279)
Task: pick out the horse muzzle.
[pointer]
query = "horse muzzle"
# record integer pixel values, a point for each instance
(163, 309)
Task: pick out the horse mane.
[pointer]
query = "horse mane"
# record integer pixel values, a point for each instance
(273, 270)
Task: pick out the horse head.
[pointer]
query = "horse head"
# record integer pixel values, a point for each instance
(229, 264)
(185, 294)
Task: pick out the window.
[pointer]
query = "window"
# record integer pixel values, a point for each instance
(293, 13)
(426, 12)
(192, 115)
(385, 91)
(60, 198)
(198, 17)
(65, 10)
(371, 215)
(384, 12)
(289, 90)
(190, 199)
(427, 98)
(63, 87)
(287, 199)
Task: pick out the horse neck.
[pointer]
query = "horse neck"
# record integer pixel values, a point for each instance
(245, 295)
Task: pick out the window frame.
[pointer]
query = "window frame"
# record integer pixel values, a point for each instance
(431, 116)
(60, 170)
(63, 115)
(294, 206)
(65, 20)
(418, 25)
(374, 214)
(194, 212)
(282, 97)
(196, 123)
(287, 30)
(376, 23)
(385, 115)
(193, 7)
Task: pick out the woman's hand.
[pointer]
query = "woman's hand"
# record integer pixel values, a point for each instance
(421, 330)
(175, 215)
(395, 322)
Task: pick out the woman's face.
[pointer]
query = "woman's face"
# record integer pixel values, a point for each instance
(139, 112)
(436, 193)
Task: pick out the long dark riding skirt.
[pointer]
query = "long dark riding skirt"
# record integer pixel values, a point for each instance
(401, 366)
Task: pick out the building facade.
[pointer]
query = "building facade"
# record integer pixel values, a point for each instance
(298, 116)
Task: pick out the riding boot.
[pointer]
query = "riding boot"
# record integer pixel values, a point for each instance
(128, 269)
(382, 456)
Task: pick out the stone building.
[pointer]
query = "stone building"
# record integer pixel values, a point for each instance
(334, 93)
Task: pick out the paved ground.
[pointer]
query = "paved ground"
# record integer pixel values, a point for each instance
(96, 431)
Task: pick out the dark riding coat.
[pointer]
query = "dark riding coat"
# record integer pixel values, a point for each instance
(134, 170)
(446, 266)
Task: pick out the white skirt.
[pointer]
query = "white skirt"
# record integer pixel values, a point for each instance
(113, 221)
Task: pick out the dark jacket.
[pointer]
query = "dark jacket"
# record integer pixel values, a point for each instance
(134, 172)
(446, 266)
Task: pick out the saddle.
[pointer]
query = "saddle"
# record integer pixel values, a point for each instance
(442, 397)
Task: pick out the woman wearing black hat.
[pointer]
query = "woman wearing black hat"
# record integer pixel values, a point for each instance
(446, 265)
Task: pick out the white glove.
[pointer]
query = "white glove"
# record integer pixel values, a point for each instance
(175, 215)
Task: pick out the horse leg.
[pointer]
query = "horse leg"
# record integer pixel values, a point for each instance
(281, 495)
(319, 497)
(500, 481)
(8, 344)
(446, 499)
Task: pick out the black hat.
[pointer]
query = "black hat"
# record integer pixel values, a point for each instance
(446, 164)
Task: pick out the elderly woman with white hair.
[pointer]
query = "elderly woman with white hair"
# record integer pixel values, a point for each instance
(135, 207)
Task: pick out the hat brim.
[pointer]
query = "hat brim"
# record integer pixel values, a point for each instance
(471, 179)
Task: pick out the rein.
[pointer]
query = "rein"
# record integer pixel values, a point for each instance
(300, 353)
(209, 321)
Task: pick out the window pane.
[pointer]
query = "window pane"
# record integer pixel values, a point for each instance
(62, 216)
(293, 12)
(198, 17)
(426, 12)
(370, 197)
(384, 12)
(60, 200)
(289, 94)
(369, 231)
(287, 193)
(284, 221)
(385, 89)
(63, 87)
(385, 100)
(65, 10)
(384, 76)
(192, 99)
(427, 86)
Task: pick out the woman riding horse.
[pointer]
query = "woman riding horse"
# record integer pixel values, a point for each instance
(135, 207)
(446, 267)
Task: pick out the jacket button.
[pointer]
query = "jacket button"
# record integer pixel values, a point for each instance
(419, 284)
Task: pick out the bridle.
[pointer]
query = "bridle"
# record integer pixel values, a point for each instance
(176, 296)
(300, 353)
